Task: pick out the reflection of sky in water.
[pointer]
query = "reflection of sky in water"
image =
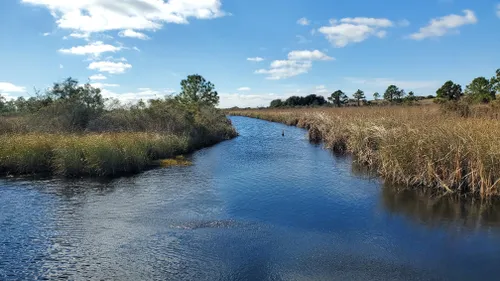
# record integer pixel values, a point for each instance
(260, 207)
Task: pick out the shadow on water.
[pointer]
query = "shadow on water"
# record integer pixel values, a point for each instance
(441, 210)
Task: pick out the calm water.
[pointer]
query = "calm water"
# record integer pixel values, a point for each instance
(259, 207)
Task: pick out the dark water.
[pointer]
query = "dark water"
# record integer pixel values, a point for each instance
(259, 207)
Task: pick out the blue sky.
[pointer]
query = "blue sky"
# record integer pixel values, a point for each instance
(253, 51)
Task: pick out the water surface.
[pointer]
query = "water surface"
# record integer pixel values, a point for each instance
(259, 207)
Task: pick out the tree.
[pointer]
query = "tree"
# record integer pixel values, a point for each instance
(392, 93)
(195, 89)
(376, 96)
(450, 91)
(276, 103)
(496, 81)
(338, 98)
(359, 95)
(480, 90)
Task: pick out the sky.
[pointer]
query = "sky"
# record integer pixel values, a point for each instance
(254, 51)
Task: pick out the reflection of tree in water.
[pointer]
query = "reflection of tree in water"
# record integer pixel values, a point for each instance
(438, 210)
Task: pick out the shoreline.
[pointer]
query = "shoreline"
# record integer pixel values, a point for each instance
(402, 149)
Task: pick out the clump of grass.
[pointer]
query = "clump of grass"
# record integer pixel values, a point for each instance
(412, 146)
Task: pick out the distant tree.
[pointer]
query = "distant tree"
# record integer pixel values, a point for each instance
(276, 103)
(480, 90)
(393, 93)
(338, 98)
(450, 91)
(411, 96)
(359, 95)
(195, 89)
(495, 81)
(376, 96)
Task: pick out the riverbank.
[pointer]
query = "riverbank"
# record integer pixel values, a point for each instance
(411, 146)
(72, 131)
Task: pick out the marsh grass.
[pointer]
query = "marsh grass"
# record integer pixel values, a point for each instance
(413, 146)
(107, 154)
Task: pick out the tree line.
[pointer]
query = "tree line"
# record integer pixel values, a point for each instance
(480, 90)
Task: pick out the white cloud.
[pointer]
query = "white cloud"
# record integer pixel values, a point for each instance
(110, 67)
(256, 59)
(244, 89)
(104, 85)
(142, 93)
(98, 77)
(308, 55)
(354, 30)
(228, 100)
(104, 15)
(304, 21)
(46, 34)
(95, 48)
(6, 87)
(79, 35)
(61, 66)
(133, 34)
(498, 10)
(383, 83)
(281, 69)
(441, 26)
(298, 62)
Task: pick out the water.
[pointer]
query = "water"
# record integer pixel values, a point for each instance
(259, 207)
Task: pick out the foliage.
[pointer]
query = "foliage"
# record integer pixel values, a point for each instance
(359, 95)
(310, 100)
(393, 94)
(338, 98)
(481, 90)
(69, 131)
(196, 90)
(376, 96)
(449, 91)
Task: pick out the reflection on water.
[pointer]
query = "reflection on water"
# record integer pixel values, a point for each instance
(259, 207)
(442, 210)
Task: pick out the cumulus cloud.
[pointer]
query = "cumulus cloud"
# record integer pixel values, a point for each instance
(110, 66)
(98, 77)
(244, 89)
(342, 32)
(298, 62)
(46, 34)
(95, 48)
(90, 16)
(303, 21)
(281, 69)
(255, 59)
(133, 34)
(308, 55)
(6, 87)
(441, 26)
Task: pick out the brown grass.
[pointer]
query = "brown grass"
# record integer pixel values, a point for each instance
(414, 146)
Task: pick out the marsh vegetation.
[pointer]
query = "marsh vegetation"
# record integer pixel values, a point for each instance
(72, 130)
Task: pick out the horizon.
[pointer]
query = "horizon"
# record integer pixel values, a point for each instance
(252, 51)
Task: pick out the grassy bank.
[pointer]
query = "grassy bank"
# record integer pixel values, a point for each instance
(70, 132)
(413, 146)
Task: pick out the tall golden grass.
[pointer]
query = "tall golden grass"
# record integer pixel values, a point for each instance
(107, 154)
(414, 146)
